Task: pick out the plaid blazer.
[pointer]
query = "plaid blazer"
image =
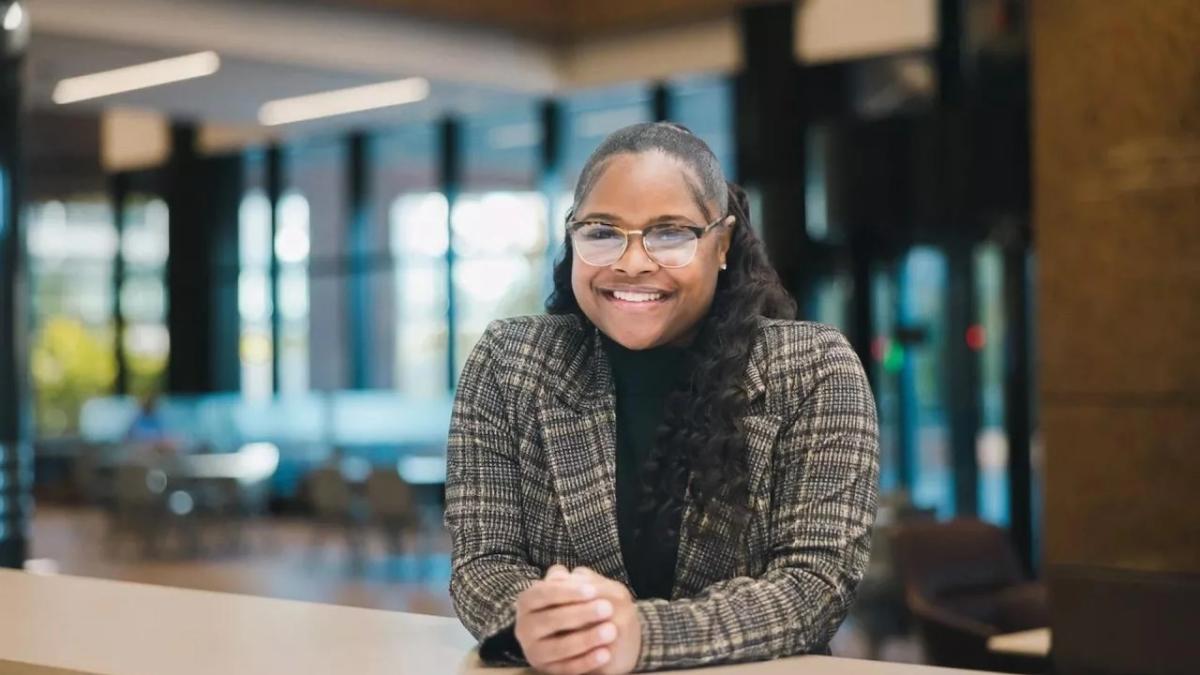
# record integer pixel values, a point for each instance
(530, 483)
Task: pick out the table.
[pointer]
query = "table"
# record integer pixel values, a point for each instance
(65, 625)
(1034, 642)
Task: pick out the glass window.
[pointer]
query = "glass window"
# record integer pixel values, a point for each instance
(419, 242)
(144, 247)
(988, 337)
(587, 118)
(923, 313)
(292, 250)
(311, 245)
(72, 246)
(411, 221)
(255, 304)
(704, 104)
(499, 227)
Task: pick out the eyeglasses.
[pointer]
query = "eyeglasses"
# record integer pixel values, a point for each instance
(672, 245)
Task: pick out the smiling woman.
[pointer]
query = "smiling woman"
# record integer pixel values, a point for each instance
(666, 470)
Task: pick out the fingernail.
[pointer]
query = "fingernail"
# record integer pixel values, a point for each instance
(604, 608)
(602, 656)
(608, 632)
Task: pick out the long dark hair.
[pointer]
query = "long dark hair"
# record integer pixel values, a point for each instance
(699, 436)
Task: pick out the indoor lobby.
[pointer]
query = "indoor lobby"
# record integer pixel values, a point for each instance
(251, 252)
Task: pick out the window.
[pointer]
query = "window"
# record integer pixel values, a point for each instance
(419, 242)
(255, 302)
(704, 104)
(144, 247)
(311, 246)
(72, 246)
(498, 227)
(410, 293)
(292, 250)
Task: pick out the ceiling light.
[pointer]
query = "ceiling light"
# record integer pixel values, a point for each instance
(140, 76)
(14, 17)
(343, 101)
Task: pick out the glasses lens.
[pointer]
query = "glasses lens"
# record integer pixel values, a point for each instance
(671, 246)
(598, 244)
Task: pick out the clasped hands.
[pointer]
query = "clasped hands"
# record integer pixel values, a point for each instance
(578, 621)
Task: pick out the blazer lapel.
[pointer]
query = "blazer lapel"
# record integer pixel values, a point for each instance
(579, 434)
(697, 566)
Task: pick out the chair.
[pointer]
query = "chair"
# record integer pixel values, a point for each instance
(139, 495)
(963, 583)
(336, 507)
(392, 507)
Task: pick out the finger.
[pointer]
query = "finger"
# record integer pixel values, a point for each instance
(545, 594)
(568, 618)
(557, 572)
(572, 644)
(580, 664)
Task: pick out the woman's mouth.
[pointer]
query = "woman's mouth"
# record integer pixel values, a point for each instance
(641, 299)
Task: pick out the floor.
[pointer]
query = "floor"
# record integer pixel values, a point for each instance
(284, 558)
(279, 560)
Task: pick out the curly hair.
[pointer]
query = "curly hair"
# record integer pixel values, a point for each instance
(699, 437)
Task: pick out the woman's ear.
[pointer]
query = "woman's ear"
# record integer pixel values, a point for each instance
(725, 238)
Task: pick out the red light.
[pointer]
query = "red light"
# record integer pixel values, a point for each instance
(976, 337)
(879, 348)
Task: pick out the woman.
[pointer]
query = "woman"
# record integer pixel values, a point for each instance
(666, 470)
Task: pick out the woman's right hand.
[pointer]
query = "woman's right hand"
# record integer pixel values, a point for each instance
(563, 628)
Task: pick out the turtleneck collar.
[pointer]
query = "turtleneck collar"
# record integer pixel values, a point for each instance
(651, 371)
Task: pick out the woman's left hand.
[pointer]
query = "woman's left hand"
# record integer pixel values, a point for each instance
(628, 645)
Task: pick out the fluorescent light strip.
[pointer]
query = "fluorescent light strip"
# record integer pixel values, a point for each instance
(343, 101)
(141, 76)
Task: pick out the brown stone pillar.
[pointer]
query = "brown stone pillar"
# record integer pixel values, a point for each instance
(1116, 133)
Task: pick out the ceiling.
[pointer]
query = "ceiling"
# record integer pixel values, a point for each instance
(551, 20)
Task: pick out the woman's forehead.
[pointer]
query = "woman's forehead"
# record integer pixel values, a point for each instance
(646, 185)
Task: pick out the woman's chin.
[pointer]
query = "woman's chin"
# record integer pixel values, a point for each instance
(636, 340)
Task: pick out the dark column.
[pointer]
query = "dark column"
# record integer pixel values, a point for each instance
(449, 174)
(360, 318)
(660, 102)
(223, 177)
(274, 192)
(188, 275)
(16, 455)
(1018, 385)
(550, 180)
(202, 196)
(962, 378)
(118, 192)
(770, 138)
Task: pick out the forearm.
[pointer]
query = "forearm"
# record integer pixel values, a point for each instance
(483, 591)
(784, 612)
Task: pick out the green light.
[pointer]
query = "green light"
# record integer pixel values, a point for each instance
(893, 361)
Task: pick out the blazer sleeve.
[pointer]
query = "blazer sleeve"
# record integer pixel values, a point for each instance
(823, 507)
(489, 567)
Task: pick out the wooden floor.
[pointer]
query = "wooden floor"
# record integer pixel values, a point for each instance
(283, 559)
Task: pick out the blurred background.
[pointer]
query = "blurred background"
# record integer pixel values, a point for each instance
(246, 247)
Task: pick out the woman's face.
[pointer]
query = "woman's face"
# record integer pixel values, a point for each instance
(633, 192)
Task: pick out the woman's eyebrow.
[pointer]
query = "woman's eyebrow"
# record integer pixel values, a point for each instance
(606, 217)
(613, 219)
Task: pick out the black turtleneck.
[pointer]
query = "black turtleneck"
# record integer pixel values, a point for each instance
(642, 380)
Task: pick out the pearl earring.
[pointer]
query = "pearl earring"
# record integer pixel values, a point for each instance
(723, 266)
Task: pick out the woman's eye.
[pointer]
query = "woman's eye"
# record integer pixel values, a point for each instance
(600, 233)
(673, 235)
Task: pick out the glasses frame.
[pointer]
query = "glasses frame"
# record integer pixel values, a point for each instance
(699, 230)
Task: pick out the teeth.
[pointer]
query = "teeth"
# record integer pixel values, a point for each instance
(636, 297)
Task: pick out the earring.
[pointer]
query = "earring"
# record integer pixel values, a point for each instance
(723, 266)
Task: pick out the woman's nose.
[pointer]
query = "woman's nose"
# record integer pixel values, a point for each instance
(635, 261)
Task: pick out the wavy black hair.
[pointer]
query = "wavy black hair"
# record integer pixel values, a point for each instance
(699, 437)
